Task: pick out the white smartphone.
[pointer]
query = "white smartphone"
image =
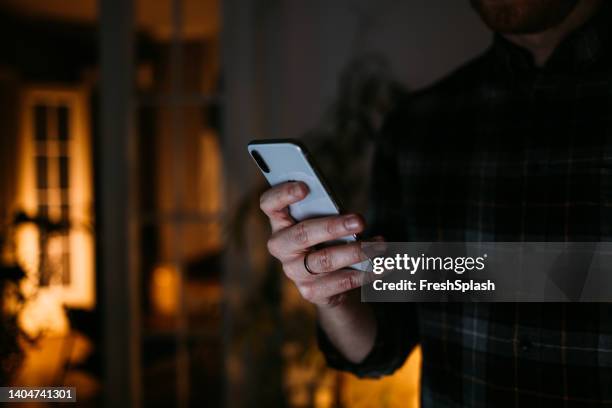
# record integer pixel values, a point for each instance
(286, 160)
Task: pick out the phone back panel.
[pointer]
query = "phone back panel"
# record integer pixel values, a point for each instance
(288, 162)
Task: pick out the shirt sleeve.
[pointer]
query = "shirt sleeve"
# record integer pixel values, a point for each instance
(395, 338)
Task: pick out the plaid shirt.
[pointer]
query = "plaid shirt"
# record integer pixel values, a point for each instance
(501, 151)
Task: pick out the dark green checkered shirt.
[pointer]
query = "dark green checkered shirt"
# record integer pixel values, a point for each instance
(501, 151)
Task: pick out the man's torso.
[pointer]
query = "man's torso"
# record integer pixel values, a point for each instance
(501, 151)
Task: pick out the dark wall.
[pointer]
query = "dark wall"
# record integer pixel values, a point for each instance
(422, 39)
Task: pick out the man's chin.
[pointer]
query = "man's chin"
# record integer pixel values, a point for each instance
(523, 16)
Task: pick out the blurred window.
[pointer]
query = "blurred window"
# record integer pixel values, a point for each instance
(55, 191)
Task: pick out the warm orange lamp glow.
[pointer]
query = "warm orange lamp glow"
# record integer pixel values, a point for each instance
(399, 390)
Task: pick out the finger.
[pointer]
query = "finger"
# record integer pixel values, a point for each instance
(332, 285)
(327, 260)
(275, 202)
(298, 238)
(374, 247)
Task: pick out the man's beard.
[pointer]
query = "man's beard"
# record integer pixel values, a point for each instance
(523, 16)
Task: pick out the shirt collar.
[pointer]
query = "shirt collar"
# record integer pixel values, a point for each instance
(578, 51)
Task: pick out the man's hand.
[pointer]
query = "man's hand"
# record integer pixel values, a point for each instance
(349, 324)
(328, 280)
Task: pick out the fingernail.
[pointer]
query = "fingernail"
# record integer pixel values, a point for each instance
(352, 222)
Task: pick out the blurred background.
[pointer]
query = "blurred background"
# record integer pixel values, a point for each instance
(133, 262)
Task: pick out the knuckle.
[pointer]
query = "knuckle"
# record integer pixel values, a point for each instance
(272, 198)
(348, 282)
(307, 292)
(273, 248)
(263, 202)
(331, 226)
(336, 300)
(289, 271)
(266, 201)
(300, 234)
(356, 253)
(325, 260)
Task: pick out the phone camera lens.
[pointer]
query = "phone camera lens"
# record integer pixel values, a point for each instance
(260, 161)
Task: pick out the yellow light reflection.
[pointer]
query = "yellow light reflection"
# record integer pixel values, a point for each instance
(164, 287)
(399, 390)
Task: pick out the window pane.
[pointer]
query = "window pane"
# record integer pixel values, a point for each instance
(65, 212)
(63, 172)
(41, 172)
(40, 122)
(65, 262)
(43, 210)
(63, 120)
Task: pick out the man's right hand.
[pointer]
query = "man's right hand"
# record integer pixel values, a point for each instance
(350, 325)
(329, 279)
